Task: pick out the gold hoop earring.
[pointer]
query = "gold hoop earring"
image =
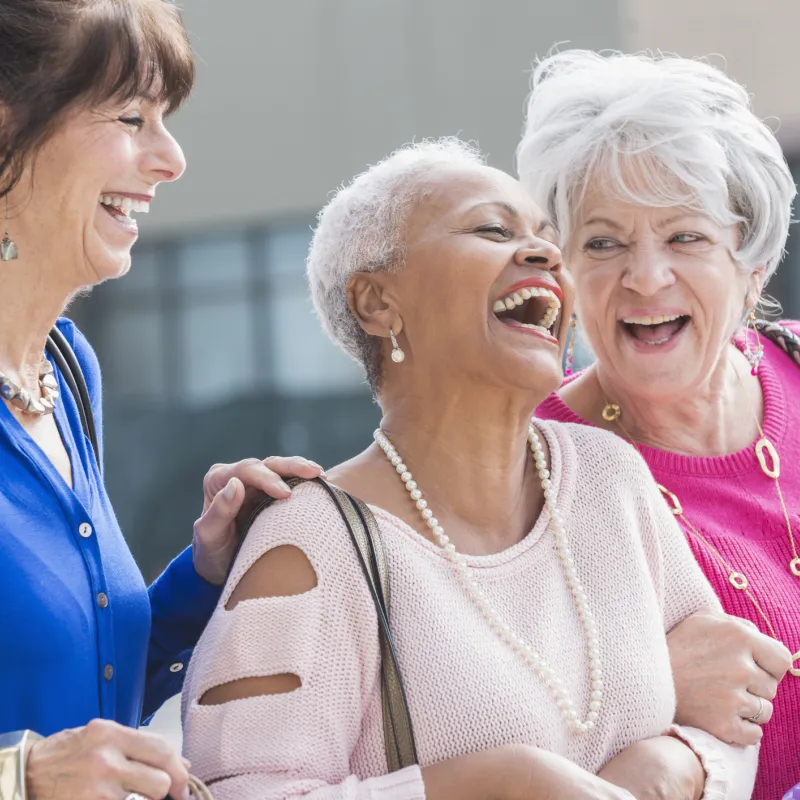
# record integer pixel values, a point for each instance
(8, 249)
(397, 354)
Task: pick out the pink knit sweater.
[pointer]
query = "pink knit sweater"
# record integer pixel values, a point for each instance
(736, 507)
(467, 690)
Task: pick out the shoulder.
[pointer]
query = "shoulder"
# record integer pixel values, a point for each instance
(84, 353)
(304, 531)
(595, 451)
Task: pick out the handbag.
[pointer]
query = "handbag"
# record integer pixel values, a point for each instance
(783, 337)
(398, 734)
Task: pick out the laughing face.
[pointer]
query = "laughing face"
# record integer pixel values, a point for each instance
(658, 292)
(482, 293)
(100, 167)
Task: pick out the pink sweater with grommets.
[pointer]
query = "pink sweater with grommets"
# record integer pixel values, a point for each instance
(467, 690)
(736, 507)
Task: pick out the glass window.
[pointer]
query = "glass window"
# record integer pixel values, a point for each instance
(213, 261)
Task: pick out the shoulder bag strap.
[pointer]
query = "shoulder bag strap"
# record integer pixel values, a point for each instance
(783, 337)
(364, 533)
(68, 365)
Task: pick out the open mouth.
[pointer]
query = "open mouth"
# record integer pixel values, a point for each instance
(655, 331)
(534, 308)
(121, 208)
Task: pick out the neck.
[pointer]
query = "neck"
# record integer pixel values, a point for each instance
(33, 299)
(719, 417)
(468, 451)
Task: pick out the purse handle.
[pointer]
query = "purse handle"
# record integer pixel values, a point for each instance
(398, 733)
(788, 342)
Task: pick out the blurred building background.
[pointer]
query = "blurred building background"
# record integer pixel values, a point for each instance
(209, 348)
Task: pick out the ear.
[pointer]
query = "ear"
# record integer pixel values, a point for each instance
(373, 304)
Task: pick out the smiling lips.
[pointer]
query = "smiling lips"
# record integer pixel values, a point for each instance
(533, 307)
(654, 330)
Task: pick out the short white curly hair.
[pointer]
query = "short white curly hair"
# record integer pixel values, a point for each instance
(362, 229)
(678, 118)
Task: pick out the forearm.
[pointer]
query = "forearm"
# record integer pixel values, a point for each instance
(488, 775)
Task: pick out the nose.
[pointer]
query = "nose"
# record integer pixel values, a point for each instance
(539, 253)
(166, 162)
(648, 271)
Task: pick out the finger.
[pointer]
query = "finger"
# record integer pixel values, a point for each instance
(294, 467)
(771, 656)
(758, 711)
(744, 733)
(147, 781)
(762, 684)
(223, 508)
(155, 751)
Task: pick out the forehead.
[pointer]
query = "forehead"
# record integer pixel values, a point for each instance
(451, 192)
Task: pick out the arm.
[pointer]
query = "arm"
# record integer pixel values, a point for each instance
(285, 685)
(684, 591)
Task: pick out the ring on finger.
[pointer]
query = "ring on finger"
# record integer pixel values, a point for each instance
(757, 716)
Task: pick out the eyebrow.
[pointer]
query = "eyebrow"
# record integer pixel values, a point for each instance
(511, 211)
(661, 224)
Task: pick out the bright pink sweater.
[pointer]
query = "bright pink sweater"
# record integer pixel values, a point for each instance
(736, 507)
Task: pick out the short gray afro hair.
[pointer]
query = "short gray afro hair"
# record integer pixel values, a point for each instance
(362, 229)
(682, 119)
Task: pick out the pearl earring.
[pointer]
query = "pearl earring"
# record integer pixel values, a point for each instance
(397, 354)
(753, 355)
(570, 345)
(8, 249)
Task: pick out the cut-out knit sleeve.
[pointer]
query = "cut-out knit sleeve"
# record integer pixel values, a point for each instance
(298, 744)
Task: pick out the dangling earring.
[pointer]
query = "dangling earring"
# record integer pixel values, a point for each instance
(573, 321)
(8, 249)
(397, 354)
(753, 356)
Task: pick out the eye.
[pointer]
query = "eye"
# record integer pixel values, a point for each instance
(687, 238)
(601, 244)
(134, 122)
(497, 230)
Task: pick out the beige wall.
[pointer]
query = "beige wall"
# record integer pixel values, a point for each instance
(759, 41)
(296, 96)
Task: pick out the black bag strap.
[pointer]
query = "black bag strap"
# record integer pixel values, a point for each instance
(781, 336)
(365, 535)
(68, 365)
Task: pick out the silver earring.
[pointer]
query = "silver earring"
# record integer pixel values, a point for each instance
(397, 354)
(8, 249)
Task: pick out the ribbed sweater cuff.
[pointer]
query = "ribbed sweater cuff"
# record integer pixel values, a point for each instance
(709, 751)
(405, 784)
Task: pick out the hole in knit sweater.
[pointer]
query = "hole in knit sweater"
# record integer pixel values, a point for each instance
(251, 687)
(280, 572)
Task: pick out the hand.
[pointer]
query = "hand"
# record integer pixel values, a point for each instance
(722, 666)
(105, 761)
(663, 768)
(227, 491)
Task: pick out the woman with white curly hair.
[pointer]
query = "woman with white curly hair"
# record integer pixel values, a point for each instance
(673, 204)
(531, 636)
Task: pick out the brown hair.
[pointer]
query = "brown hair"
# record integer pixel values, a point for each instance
(58, 54)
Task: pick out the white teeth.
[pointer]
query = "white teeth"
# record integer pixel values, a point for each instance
(651, 320)
(126, 205)
(515, 299)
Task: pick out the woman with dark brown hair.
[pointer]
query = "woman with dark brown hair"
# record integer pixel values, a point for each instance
(85, 653)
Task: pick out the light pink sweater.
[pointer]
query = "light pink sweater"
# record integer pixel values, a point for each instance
(467, 691)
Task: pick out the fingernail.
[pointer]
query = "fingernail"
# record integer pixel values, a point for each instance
(230, 490)
(323, 474)
(284, 486)
(186, 762)
(314, 464)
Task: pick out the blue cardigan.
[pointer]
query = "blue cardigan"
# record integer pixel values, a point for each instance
(81, 636)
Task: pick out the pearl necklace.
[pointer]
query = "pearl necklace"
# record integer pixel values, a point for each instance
(502, 629)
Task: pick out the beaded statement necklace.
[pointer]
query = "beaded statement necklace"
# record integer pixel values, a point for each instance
(464, 574)
(737, 579)
(23, 400)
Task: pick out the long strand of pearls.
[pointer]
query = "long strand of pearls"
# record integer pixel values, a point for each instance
(464, 573)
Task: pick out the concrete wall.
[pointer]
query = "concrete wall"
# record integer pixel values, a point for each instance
(296, 96)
